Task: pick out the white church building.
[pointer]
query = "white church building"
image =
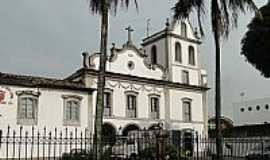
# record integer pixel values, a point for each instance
(159, 82)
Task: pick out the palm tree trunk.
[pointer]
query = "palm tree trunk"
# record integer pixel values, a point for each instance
(219, 148)
(101, 81)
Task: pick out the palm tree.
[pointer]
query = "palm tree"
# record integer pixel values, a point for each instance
(256, 42)
(224, 15)
(102, 7)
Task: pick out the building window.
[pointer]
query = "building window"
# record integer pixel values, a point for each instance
(186, 110)
(184, 29)
(258, 108)
(185, 77)
(178, 52)
(249, 108)
(72, 110)
(242, 109)
(131, 103)
(212, 125)
(27, 107)
(154, 55)
(266, 106)
(154, 106)
(191, 55)
(107, 112)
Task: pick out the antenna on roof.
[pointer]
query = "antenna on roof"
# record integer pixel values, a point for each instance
(242, 94)
(148, 27)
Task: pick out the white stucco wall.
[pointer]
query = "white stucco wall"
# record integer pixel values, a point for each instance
(176, 105)
(119, 119)
(50, 109)
(260, 116)
(185, 45)
(161, 51)
(120, 65)
(119, 98)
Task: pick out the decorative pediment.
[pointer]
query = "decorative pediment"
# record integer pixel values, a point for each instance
(129, 60)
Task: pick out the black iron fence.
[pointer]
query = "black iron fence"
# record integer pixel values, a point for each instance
(75, 143)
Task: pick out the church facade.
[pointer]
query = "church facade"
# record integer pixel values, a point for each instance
(162, 82)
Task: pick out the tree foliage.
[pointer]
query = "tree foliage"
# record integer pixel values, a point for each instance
(112, 5)
(256, 42)
(224, 13)
(224, 16)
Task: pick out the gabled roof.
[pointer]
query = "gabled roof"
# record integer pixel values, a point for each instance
(31, 81)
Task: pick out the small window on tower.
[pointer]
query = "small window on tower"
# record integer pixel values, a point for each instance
(178, 52)
(154, 55)
(184, 29)
(185, 77)
(191, 55)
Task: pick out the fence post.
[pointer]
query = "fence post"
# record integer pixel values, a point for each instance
(1, 132)
(162, 139)
(197, 145)
(262, 150)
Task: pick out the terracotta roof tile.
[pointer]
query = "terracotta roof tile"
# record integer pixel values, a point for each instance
(31, 81)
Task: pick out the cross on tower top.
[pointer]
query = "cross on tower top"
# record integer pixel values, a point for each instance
(130, 30)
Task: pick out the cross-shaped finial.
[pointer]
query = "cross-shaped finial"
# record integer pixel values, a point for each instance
(130, 30)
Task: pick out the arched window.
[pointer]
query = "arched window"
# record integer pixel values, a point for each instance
(27, 113)
(154, 55)
(178, 52)
(154, 106)
(131, 104)
(184, 29)
(186, 106)
(107, 110)
(191, 55)
(72, 110)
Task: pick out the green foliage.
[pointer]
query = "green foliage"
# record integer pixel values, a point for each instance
(147, 153)
(175, 153)
(256, 42)
(96, 5)
(86, 155)
(224, 13)
(172, 153)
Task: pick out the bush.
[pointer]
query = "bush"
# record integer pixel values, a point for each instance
(82, 154)
(172, 153)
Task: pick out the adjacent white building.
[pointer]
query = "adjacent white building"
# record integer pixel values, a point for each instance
(162, 82)
(252, 112)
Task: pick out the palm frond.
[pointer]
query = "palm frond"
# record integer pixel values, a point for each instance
(224, 13)
(225, 18)
(237, 6)
(183, 8)
(112, 5)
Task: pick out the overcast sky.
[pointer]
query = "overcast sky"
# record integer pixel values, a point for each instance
(47, 37)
